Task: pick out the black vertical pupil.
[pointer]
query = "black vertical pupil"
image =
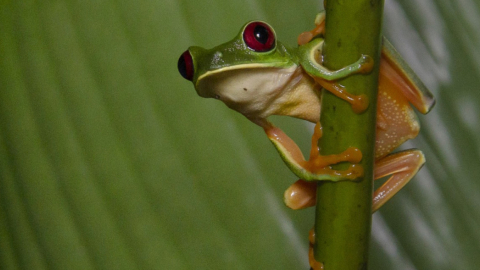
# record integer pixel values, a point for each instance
(182, 67)
(261, 34)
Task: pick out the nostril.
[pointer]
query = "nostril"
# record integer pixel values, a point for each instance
(185, 65)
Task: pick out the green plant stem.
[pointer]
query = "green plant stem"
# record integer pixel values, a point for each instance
(343, 212)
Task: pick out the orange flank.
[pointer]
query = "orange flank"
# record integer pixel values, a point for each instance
(396, 119)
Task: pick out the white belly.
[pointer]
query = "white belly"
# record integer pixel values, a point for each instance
(260, 92)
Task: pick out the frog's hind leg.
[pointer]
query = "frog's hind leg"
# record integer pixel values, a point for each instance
(401, 77)
(314, 264)
(317, 167)
(402, 166)
(301, 194)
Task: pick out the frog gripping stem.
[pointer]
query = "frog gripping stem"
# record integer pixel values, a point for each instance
(360, 126)
(317, 167)
(341, 204)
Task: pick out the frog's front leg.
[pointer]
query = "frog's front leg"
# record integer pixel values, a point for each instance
(359, 103)
(311, 63)
(317, 167)
(310, 55)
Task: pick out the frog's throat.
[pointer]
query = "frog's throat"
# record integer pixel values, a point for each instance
(258, 93)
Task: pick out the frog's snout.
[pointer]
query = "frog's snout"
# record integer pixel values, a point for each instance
(185, 65)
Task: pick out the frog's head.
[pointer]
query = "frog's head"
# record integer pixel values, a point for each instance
(240, 71)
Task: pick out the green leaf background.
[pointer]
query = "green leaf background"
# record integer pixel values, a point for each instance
(109, 160)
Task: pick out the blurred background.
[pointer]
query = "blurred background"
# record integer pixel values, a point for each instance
(109, 159)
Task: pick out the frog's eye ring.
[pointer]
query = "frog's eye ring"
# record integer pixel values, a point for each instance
(259, 37)
(185, 65)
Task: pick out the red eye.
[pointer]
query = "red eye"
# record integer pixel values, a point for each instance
(185, 65)
(259, 36)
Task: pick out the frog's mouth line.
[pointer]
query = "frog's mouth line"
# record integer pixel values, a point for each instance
(244, 66)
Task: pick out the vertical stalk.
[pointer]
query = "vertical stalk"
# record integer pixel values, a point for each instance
(343, 212)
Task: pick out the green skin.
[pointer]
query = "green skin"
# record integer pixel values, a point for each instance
(221, 72)
(235, 54)
(287, 81)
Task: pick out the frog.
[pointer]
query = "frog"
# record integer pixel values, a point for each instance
(259, 76)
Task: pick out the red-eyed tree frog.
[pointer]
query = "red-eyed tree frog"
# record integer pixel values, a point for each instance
(258, 76)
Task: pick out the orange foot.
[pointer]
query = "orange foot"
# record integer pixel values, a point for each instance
(314, 264)
(305, 37)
